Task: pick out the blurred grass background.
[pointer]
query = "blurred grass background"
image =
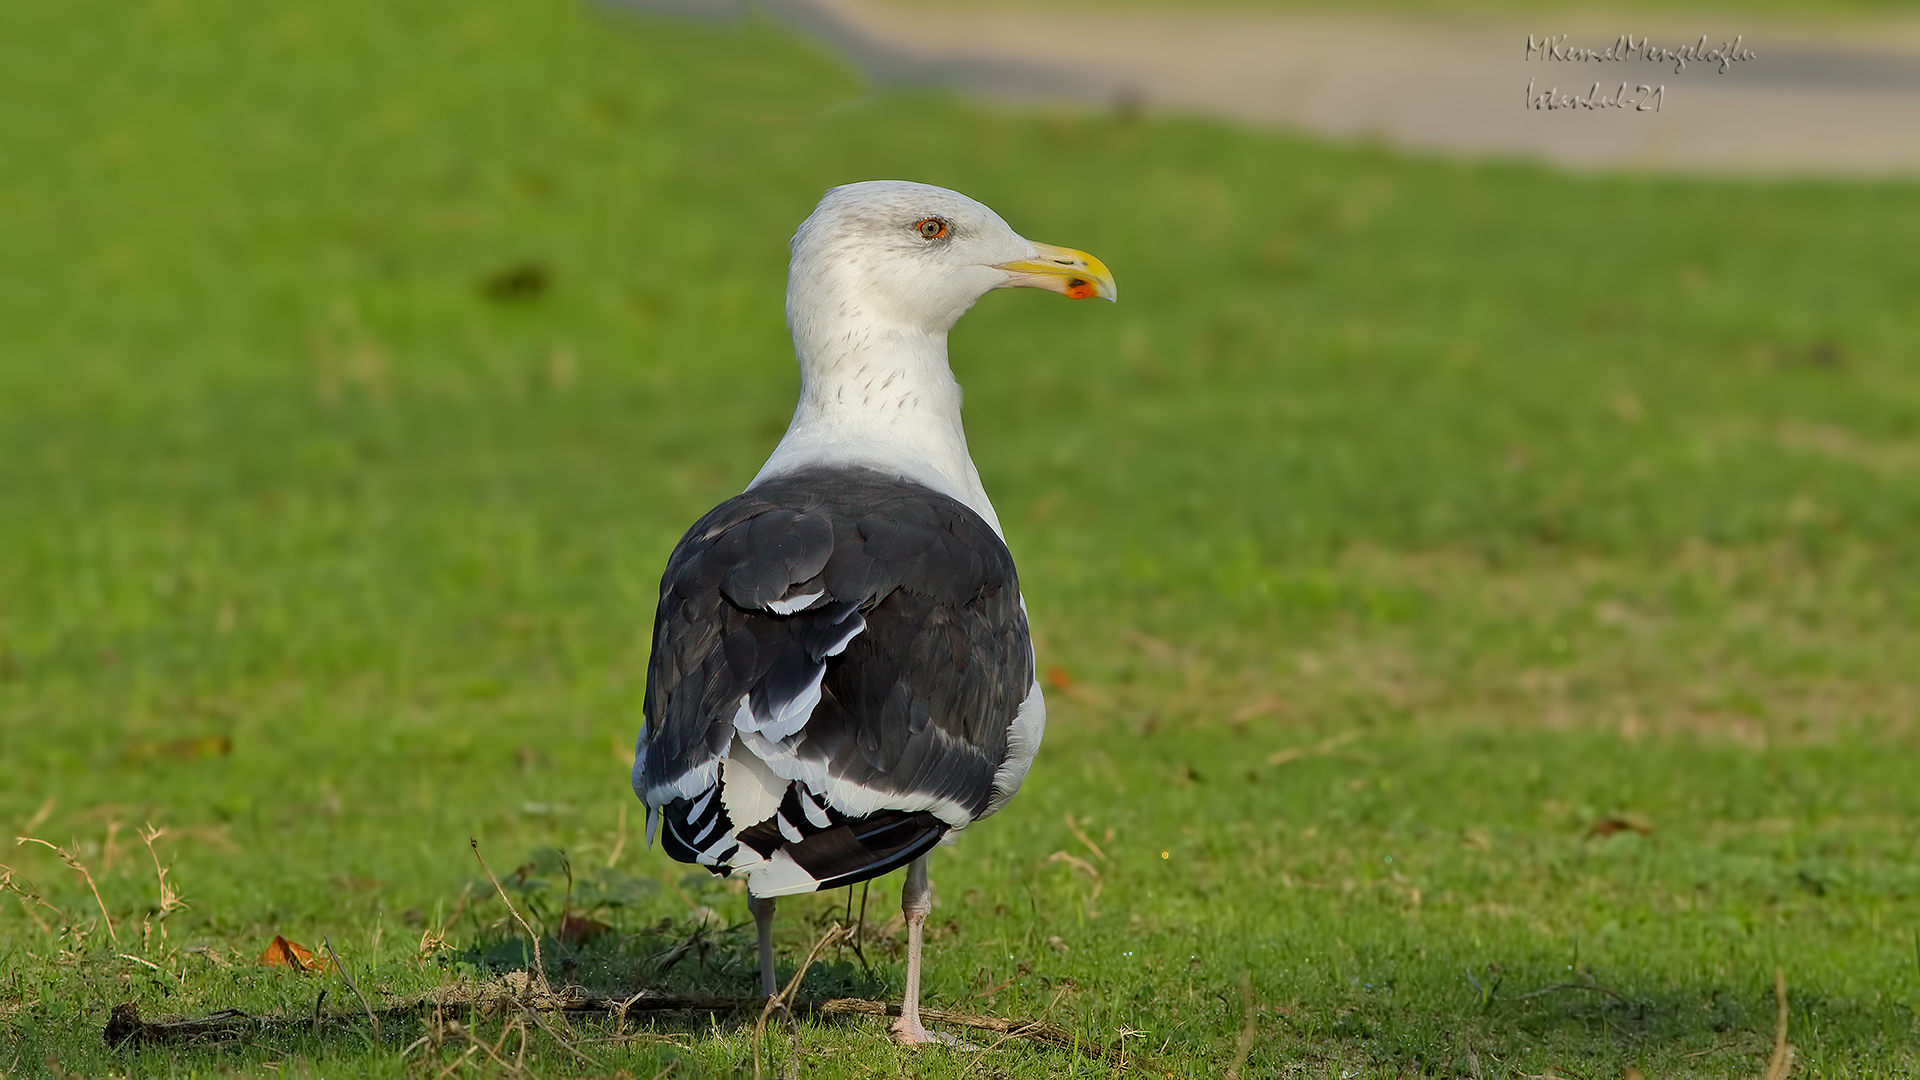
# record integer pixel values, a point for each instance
(363, 363)
(1814, 10)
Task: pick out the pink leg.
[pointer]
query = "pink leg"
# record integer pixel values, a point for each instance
(763, 922)
(915, 902)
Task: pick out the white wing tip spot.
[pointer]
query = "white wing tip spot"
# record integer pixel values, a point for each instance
(794, 603)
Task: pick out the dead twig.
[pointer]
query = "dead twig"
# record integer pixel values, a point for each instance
(341, 967)
(539, 964)
(26, 895)
(1781, 1063)
(1324, 746)
(40, 816)
(1080, 835)
(111, 847)
(143, 962)
(620, 839)
(1031, 1030)
(1085, 867)
(126, 1027)
(988, 992)
(620, 1013)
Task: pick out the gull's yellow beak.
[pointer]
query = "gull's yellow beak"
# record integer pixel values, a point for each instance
(1070, 273)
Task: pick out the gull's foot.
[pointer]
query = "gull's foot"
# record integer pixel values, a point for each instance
(913, 1034)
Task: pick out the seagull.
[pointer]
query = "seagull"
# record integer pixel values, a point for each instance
(842, 675)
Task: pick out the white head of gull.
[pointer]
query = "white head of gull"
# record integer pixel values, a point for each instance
(881, 271)
(842, 675)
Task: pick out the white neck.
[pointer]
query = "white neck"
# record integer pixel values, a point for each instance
(881, 397)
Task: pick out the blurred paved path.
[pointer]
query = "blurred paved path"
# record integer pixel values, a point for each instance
(1841, 98)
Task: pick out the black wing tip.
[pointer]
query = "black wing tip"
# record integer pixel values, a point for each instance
(921, 843)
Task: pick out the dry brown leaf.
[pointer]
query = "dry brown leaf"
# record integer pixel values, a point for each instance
(1619, 823)
(290, 954)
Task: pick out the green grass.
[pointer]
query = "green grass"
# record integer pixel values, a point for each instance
(1529, 500)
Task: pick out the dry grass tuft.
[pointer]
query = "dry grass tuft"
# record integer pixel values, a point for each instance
(170, 900)
(73, 863)
(28, 899)
(783, 1000)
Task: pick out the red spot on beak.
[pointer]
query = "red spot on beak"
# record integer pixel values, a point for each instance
(1081, 289)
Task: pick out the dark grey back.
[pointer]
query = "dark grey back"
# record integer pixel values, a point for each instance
(918, 702)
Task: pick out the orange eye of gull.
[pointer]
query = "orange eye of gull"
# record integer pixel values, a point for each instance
(931, 228)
